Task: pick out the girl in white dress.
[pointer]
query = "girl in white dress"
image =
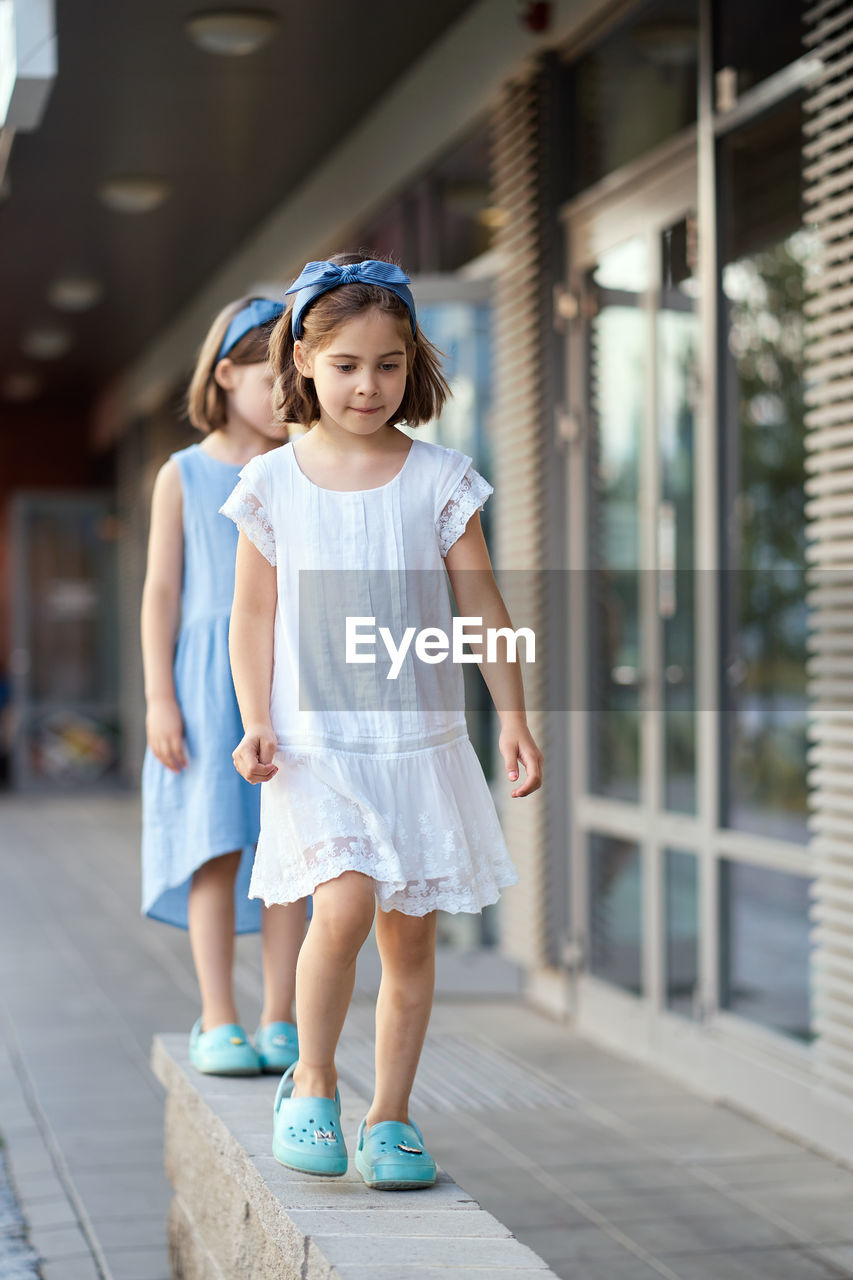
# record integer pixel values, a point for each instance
(372, 789)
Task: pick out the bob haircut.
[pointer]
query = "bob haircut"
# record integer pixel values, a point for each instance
(206, 404)
(294, 396)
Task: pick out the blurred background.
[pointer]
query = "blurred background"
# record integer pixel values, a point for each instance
(628, 226)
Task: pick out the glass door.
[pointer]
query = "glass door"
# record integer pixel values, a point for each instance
(634, 357)
(65, 648)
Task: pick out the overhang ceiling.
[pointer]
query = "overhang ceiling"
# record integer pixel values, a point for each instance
(232, 136)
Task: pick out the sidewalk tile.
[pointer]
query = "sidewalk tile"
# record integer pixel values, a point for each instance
(753, 1264)
(728, 1230)
(108, 1193)
(33, 1188)
(140, 1264)
(71, 1269)
(52, 1243)
(47, 1214)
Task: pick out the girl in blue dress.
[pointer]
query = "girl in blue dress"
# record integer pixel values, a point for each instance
(200, 819)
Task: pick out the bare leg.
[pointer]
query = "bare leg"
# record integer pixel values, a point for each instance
(282, 932)
(211, 921)
(325, 976)
(407, 950)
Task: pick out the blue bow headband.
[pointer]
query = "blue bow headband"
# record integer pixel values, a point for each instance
(257, 312)
(317, 278)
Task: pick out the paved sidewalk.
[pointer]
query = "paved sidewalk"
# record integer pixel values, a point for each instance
(607, 1170)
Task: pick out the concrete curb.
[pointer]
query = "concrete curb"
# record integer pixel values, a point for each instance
(237, 1212)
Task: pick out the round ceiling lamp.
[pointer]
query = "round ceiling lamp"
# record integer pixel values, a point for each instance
(133, 194)
(75, 293)
(46, 343)
(232, 33)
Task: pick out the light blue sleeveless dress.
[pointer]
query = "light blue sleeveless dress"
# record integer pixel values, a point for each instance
(207, 809)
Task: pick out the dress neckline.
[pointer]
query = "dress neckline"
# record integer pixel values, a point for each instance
(377, 488)
(232, 466)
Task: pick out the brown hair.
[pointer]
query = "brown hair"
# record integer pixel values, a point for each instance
(294, 396)
(207, 407)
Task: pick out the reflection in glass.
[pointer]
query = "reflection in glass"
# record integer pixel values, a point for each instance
(635, 88)
(462, 331)
(66, 692)
(767, 261)
(765, 946)
(677, 361)
(69, 570)
(617, 382)
(615, 914)
(681, 906)
(751, 45)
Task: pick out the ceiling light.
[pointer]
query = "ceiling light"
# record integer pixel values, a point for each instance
(46, 343)
(75, 293)
(232, 32)
(133, 194)
(21, 387)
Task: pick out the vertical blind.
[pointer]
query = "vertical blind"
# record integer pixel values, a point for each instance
(828, 173)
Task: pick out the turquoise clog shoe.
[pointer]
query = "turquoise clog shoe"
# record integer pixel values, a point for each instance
(224, 1051)
(307, 1132)
(277, 1045)
(391, 1157)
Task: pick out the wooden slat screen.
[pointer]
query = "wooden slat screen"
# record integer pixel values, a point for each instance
(517, 443)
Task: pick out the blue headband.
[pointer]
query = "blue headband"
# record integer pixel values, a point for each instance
(258, 312)
(317, 278)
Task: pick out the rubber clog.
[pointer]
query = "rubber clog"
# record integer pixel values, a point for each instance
(391, 1156)
(307, 1132)
(223, 1051)
(277, 1046)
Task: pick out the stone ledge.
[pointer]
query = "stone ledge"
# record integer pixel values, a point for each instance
(236, 1212)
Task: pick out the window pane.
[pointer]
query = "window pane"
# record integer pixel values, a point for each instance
(767, 258)
(617, 380)
(765, 946)
(677, 360)
(650, 60)
(615, 917)
(754, 42)
(682, 931)
(69, 568)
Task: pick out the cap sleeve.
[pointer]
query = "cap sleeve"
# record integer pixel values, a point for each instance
(248, 506)
(468, 494)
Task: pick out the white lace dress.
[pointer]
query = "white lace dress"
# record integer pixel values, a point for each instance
(376, 774)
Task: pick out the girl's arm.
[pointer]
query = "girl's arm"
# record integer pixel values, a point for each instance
(161, 603)
(251, 646)
(477, 595)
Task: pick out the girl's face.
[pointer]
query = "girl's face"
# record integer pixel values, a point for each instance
(249, 391)
(360, 375)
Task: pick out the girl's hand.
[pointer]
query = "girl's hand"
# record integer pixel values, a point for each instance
(254, 753)
(164, 728)
(516, 743)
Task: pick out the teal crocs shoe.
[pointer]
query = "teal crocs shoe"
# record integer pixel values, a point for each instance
(224, 1051)
(391, 1157)
(306, 1132)
(277, 1045)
